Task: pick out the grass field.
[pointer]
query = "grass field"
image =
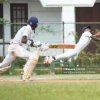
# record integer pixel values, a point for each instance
(50, 91)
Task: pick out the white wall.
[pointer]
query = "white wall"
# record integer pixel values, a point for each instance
(53, 17)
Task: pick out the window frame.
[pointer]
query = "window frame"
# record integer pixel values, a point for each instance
(16, 21)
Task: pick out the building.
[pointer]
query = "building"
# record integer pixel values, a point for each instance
(51, 18)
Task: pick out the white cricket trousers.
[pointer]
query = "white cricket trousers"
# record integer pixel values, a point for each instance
(15, 50)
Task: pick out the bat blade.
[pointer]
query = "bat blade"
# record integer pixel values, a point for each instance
(62, 46)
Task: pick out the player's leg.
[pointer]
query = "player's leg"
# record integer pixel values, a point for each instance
(22, 52)
(68, 55)
(32, 59)
(30, 65)
(4, 65)
(65, 55)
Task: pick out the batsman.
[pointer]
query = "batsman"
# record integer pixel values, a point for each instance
(16, 48)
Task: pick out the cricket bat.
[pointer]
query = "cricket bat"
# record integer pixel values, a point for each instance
(61, 46)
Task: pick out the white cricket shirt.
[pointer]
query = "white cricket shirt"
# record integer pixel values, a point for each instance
(24, 31)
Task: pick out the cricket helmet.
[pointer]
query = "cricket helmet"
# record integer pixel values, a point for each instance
(85, 27)
(32, 20)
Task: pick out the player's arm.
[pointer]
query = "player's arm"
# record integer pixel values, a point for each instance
(30, 42)
(43, 46)
(96, 36)
(25, 40)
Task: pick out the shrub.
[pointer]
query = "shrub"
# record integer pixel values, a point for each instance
(85, 60)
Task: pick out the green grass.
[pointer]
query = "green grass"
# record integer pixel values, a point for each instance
(50, 91)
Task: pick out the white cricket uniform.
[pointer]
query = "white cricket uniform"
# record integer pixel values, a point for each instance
(16, 46)
(83, 42)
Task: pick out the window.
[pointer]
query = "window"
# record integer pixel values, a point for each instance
(19, 15)
(1, 25)
(88, 14)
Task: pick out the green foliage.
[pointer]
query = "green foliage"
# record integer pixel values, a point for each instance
(46, 28)
(3, 21)
(1, 59)
(42, 70)
(85, 63)
(88, 59)
(19, 62)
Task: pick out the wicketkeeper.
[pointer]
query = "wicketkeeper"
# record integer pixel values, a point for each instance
(83, 42)
(16, 48)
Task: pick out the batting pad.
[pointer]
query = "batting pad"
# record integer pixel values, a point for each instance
(30, 65)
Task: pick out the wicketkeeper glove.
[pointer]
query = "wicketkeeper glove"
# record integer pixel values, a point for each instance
(49, 59)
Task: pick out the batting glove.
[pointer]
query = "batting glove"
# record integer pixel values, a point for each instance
(30, 42)
(37, 44)
(44, 47)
